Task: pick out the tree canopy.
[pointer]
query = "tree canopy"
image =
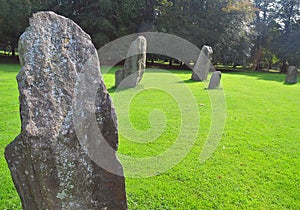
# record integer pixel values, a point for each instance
(241, 32)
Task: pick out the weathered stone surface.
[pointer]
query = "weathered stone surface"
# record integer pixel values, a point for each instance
(203, 64)
(49, 165)
(215, 80)
(119, 76)
(212, 68)
(291, 76)
(135, 64)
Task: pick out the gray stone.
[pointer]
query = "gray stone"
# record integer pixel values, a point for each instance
(215, 79)
(119, 76)
(212, 68)
(50, 166)
(203, 64)
(135, 64)
(291, 76)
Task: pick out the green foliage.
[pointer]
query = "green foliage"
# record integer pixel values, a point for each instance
(287, 43)
(212, 23)
(277, 25)
(227, 26)
(256, 164)
(201, 22)
(14, 16)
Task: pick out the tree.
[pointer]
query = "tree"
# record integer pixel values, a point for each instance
(107, 20)
(222, 25)
(14, 16)
(287, 45)
(263, 23)
(235, 44)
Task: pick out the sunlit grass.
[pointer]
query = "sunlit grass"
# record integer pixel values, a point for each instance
(255, 166)
(9, 129)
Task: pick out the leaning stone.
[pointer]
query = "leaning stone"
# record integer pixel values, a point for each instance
(203, 64)
(118, 77)
(212, 68)
(291, 76)
(50, 166)
(215, 79)
(135, 64)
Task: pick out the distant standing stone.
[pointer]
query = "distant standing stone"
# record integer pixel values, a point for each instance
(292, 74)
(203, 64)
(135, 64)
(215, 80)
(49, 165)
(119, 76)
(212, 68)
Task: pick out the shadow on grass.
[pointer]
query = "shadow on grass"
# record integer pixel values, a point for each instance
(268, 76)
(109, 69)
(112, 89)
(9, 68)
(188, 81)
(290, 84)
(112, 70)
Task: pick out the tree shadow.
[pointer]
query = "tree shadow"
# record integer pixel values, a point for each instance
(189, 81)
(290, 84)
(268, 76)
(109, 69)
(9, 68)
(112, 89)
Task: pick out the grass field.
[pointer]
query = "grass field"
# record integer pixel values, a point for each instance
(255, 166)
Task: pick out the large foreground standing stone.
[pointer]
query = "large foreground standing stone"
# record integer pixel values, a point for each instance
(203, 64)
(292, 74)
(134, 66)
(215, 79)
(49, 164)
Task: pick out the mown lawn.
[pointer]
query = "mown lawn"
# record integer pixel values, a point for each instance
(255, 165)
(9, 129)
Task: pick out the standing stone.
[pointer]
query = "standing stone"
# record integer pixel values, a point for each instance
(212, 68)
(135, 64)
(50, 166)
(215, 80)
(291, 76)
(119, 76)
(203, 64)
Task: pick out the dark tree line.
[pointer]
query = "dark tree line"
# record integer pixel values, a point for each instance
(241, 32)
(277, 24)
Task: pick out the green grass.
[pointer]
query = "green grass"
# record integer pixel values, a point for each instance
(9, 129)
(255, 166)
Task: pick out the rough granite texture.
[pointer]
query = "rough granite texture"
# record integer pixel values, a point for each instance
(134, 66)
(203, 64)
(292, 75)
(49, 166)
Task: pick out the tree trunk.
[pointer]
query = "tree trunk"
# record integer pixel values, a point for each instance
(258, 59)
(269, 65)
(284, 67)
(152, 61)
(170, 62)
(13, 50)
